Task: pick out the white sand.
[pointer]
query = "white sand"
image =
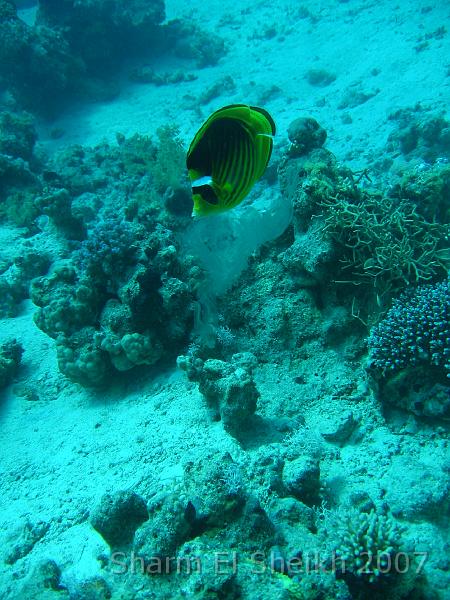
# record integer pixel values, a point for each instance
(378, 35)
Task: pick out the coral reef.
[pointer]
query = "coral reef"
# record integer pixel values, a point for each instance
(267, 404)
(119, 294)
(43, 582)
(415, 330)
(100, 33)
(366, 549)
(159, 538)
(16, 274)
(427, 187)
(301, 478)
(108, 248)
(168, 168)
(352, 246)
(19, 167)
(223, 491)
(367, 543)
(189, 41)
(35, 63)
(298, 268)
(10, 356)
(66, 303)
(228, 388)
(386, 241)
(117, 304)
(17, 135)
(118, 516)
(75, 47)
(431, 485)
(94, 588)
(418, 135)
(410, 351)
(185, 519)
(305, 134)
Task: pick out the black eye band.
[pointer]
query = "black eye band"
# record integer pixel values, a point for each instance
(207, 193)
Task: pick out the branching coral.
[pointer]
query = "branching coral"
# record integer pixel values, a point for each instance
(387, 242)
(381, 240)
(366, 545)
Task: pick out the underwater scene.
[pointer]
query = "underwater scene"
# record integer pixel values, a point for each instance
(224, 300)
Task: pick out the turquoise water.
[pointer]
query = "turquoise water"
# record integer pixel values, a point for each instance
(253, 404)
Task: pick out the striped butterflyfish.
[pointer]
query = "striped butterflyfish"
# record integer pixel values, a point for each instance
(228, 154)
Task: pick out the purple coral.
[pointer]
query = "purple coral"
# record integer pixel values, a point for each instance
(416, 330)
(109, 247)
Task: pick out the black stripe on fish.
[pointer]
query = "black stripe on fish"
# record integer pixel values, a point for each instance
(200, 158)
(247, 166)
(222, 135)
(251, 164)
(237, 167)
(241, 164)
(207, 194)
(224, 154)
(221, 152)
(240, 168)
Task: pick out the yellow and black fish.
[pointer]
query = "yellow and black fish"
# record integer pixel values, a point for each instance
(227, 156)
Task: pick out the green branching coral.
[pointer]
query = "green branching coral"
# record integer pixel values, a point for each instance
(380, 240)
(386, 242)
